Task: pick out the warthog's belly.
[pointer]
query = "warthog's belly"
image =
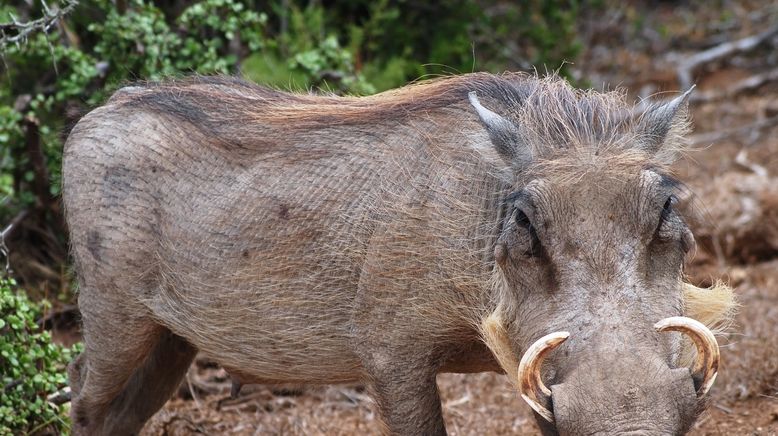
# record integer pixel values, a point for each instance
(268, 339)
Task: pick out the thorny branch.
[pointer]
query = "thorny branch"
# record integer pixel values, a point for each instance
(17, 32)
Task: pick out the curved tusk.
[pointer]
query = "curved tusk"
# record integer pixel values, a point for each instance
(706, 366)
(531, 386)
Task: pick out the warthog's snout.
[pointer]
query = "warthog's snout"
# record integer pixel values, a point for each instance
(549, 403)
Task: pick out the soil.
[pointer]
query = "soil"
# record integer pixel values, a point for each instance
(476, 404)
(733, 196)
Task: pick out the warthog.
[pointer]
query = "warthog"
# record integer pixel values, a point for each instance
(444, 226)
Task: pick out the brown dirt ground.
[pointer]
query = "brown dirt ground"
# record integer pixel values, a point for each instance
(735, 220)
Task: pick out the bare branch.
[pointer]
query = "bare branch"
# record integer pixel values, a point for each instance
(17, 32)
(689, 65)
(60, 397)
(4, 252)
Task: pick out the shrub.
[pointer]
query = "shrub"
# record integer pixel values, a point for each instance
(31, 367)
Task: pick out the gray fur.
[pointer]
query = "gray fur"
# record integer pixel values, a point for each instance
(304, 239)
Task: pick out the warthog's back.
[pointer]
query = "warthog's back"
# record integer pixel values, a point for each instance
(245, 219)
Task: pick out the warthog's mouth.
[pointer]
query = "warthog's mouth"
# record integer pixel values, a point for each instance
(708, 311)
(538, 396)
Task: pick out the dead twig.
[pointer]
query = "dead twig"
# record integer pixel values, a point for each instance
(689, 65)
(193, 391)
(17, 32)
(229, 403)
(6, 233)
(742, 160)
(724, 409)
(60, 397)
(195, 383)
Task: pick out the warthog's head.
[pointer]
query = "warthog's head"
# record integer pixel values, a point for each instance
(589, 264)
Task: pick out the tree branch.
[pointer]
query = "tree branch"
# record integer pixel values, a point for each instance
(689, 65)
(17, 32)
(9, 229)
(60, 397)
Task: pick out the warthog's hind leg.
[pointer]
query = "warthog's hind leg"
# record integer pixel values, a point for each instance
(151, 385)
(129, 369)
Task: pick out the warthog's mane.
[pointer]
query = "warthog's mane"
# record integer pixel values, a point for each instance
(554, 118)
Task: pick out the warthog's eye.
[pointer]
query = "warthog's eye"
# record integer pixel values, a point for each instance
(668, 208)
(533, 248)
(669, 222)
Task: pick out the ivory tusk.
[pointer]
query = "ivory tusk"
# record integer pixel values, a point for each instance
(706, 366)
(531, 386)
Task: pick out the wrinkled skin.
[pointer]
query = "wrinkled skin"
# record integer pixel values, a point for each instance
(303, 239)
(607, 278)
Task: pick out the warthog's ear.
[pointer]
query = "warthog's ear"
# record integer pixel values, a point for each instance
(504, 135)
(662, 127)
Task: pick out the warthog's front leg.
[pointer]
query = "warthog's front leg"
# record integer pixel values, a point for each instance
(407, 395)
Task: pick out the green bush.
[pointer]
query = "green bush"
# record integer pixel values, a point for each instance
(31, 367)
